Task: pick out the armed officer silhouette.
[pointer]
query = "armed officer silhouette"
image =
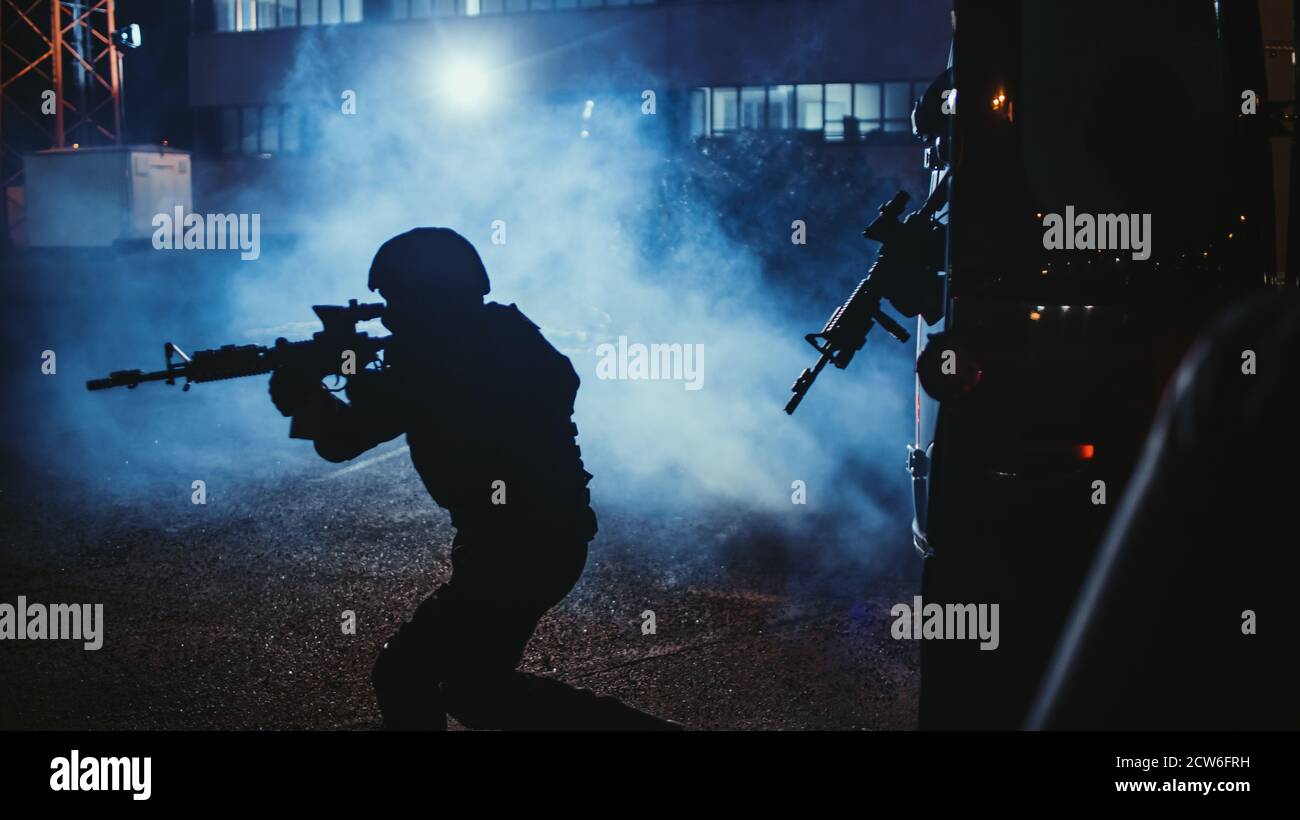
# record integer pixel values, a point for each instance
(486, 405)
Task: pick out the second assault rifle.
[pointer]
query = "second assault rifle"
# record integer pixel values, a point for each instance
(325, 353)
(846, 331)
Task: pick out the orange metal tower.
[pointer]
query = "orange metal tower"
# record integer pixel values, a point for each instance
(60, 82)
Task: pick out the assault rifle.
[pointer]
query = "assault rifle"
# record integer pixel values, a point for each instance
(325, 353)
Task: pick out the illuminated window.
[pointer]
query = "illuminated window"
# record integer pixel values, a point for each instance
(809, 100)
(725, 112)
(780, 106)
(406, 9)
(700, 112)
(867, 107)
(839, 104)
(753, 100)
(223, 12)
(254, 15)
(843, 112)
(265, 14)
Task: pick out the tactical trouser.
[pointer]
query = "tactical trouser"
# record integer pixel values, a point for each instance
(457, 655)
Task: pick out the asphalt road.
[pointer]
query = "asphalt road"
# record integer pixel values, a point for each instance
(229, 615)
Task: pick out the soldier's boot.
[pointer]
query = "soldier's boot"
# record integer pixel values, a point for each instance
(407, 687)
(520, 701)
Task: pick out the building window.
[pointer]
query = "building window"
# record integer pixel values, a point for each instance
(229, 144)
(808, 99)
(780, 106)
(898, 106)
(291, 130)
(265, 13)
(270, 142)
(223, 13)
(412, 9)
(867, 108)
(700, 112)
(253, 131)
(256, 15)
(260, 15)
(753, 103)
(842, 112)
(725, 114)
(839, 108)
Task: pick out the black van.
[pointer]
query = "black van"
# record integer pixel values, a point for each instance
(1111, 190)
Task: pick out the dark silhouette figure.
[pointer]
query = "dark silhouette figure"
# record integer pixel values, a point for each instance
(486, 405)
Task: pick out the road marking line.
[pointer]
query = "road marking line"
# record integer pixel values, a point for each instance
(365, 462)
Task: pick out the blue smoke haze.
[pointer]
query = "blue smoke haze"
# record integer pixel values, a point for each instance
(601, 242)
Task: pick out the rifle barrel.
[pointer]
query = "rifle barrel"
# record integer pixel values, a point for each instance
(805, 381)
(129, 378)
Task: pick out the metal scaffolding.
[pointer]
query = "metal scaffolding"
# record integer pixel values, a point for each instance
(60, 81)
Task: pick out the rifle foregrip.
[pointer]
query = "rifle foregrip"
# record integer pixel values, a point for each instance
(895, 329)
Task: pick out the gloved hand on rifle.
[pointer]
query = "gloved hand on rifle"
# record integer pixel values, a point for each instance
(291, 389)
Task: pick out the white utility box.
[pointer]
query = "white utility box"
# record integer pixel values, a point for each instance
(85, 197)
